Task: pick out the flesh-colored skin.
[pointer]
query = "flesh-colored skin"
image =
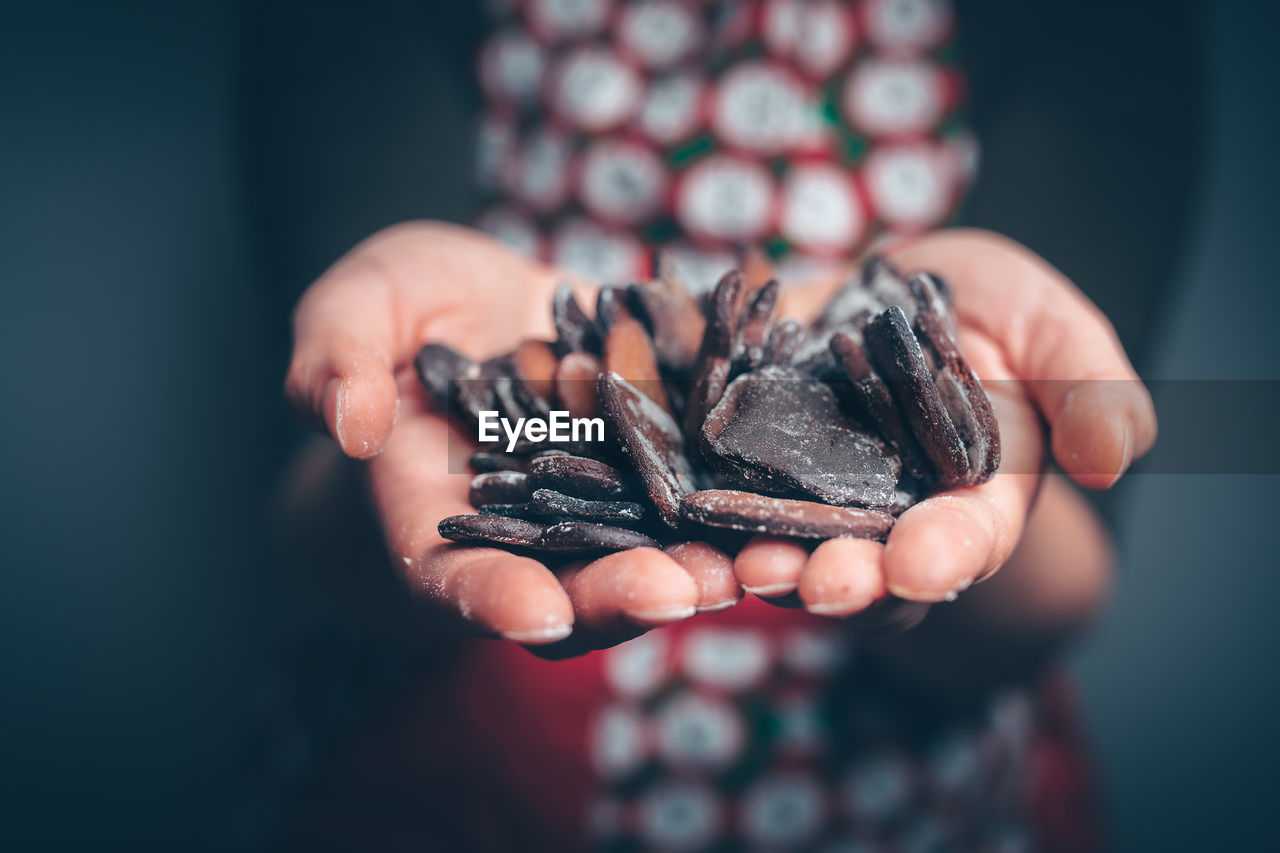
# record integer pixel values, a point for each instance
(358, 328)
(712, 572)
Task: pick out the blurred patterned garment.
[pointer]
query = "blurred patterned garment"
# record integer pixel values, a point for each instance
(807, 127)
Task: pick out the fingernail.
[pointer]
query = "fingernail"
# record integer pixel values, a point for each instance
(539, 635)
(719, 605)
(909, 594)
(830, 609)
(674, 614)
(1126, 457)
(770, 590)
(335, 391)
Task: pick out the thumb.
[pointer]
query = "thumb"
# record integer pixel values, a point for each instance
(1055, 341)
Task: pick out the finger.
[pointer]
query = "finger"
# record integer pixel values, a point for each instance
(712, 572)
(1054, 339)
(842, 577)
(770, 566)
(643, 587)
(489, 590)
(375, 308)
(945, 543)
(497, 593)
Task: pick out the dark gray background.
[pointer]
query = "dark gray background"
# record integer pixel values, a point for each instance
(165, 191)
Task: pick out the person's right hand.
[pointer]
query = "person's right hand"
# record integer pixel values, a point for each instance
(356, 331)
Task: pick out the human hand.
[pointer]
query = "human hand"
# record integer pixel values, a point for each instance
(1044, 353)
(356, 331)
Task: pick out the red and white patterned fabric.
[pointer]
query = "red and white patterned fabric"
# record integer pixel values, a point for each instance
(753, 728)
(807, 127)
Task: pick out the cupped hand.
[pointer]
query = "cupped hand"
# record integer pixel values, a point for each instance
(356, 331)
(1048, 358)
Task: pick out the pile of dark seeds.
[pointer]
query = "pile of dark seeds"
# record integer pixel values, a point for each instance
(720, 417)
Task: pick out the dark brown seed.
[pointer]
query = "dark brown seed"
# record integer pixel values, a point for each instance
(611, 307)
(672, 316)
(628, 352)
(883, 281)
(703, 396)
(781, 517)
(896, 355)
(456, 383)
(652, 440)
(581, 537)
(784, 339)
(722, 316)
(579, 476)
(484, 461)
(575, 331)
(778, 432)
(499, 487)
(439, 366)
(522, 511)
(962, 394)
(877, 404)
(550, 503)
(510, 402)
(852, 301)
(753, 329)
(475, 394)
(713, 368)
(492, 529)
(576, 384)
(930, 293)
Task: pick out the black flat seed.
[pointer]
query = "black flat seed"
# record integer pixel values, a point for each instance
(484, 461)
(499, 487)
(438, 366)
(778, 432)
(784, 340)
(575, 331)
(551, 503)
(883, 280)
(492, 529)
(579, 476)
(711, 371)
(753, 329)
(962, 394)
(524, 511)
(852, 300)
(754, 513)
(612, 307)
(877, 403)
(473, 393)
(896, 355)
(573, 537)
(672, 315)
(652, 440)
